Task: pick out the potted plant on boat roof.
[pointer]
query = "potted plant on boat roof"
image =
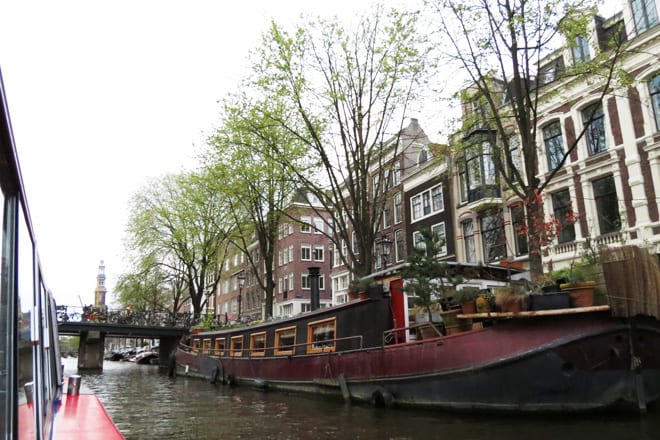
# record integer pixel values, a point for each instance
(578, 282)
(466, 297)
(510, 298)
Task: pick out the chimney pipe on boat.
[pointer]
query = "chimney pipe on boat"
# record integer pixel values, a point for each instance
(314, 286)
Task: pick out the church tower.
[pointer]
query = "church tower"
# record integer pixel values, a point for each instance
(99, 297)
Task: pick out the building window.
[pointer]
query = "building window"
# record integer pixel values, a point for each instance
(654, 90)
(561, 205)
(386, 215)
(336, 257)
(354, 243)
(594, 119)
(307, 282)
(424, 156)
(398, 245)
(285, 341)
(306, 252)
(397, 208)
(607, 205)
(306, 224)
(644, 14)
(318, 252)
(518, 223)
(492, 234)
(321, 336)
(554, 146)
(427, 203)
(479, 177)
(318, 225)
(580, 50)
(439, 231)
(468, 239)
(396, 175)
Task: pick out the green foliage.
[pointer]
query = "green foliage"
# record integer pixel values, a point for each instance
(426, 277)
(179, 224)
(341, 93)
(466, 294)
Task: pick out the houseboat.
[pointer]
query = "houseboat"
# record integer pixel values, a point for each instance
(33, 404)
(562, 360)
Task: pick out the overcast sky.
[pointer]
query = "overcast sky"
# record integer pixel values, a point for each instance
(104, 95)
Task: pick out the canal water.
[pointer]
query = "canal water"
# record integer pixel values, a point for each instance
(147, 404)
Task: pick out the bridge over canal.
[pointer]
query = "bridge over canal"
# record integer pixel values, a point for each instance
(93, 327)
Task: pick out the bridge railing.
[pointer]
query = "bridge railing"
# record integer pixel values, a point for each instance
(104, 315)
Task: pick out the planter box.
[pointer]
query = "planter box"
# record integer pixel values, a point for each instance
(550, 301)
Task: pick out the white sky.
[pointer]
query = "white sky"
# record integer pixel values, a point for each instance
(105, 95)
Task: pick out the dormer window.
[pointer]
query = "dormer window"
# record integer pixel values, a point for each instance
(644, 14)
(580, 50)
(424, 156)
(551, 71)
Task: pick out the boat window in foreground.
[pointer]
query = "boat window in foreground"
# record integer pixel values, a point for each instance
(195, 345)
(285, 340)
(321, 335)
(258, 344)
(219, 347)
(206, 346)
(236, 347)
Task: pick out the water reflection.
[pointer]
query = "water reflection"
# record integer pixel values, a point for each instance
(147, 405)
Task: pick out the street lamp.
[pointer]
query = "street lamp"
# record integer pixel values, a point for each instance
(241, 283)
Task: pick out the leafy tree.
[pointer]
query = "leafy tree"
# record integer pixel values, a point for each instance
(500, 46)
(149, 288)
(342, 94)
(181, 223)
(257, 187)
(425, 275)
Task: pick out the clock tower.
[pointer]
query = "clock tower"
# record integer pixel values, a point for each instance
(99, 297)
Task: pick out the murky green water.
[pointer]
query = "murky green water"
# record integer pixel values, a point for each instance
(146, 404)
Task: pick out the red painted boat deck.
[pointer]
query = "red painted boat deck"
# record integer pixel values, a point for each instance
(79, 417)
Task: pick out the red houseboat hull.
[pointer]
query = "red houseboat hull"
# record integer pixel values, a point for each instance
(571, 362)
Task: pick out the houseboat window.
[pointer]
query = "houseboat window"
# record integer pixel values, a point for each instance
(321, 336)
(258, 344)
(236, 347)
(219, 348)
(285, 340)
(206, 346)
(195, 345)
